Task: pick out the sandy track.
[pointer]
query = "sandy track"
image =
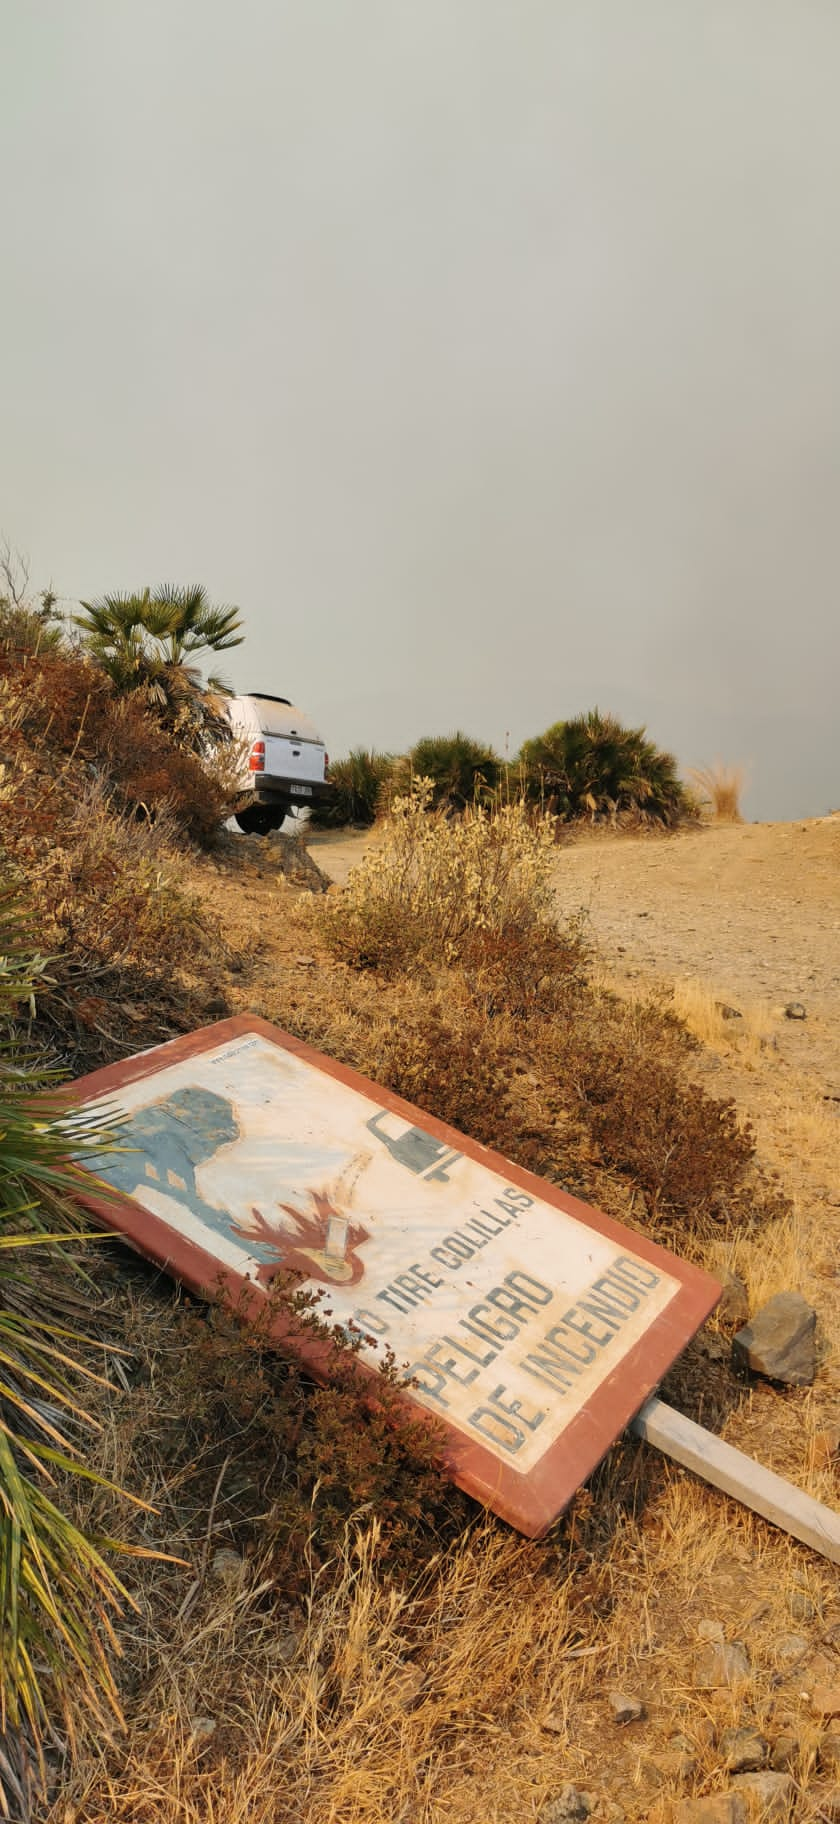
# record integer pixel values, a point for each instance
(752, 910)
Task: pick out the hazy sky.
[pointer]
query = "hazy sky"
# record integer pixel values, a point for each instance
(485, 352)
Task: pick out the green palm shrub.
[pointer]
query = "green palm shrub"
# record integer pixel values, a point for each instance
(592, 767)
(58, 1592)
(461, 770)
(145, 642)
(357, 782)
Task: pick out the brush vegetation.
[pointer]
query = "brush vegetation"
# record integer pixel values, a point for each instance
(346, 1636)
(359, 787)
(592, 767)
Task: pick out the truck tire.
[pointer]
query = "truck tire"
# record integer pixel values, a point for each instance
(260, 819)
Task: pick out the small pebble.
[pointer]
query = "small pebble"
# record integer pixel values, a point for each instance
(626, 1709)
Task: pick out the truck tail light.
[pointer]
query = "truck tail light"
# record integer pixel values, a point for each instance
(326, 764)
(256, 758)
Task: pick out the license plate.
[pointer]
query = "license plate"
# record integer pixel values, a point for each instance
(301, 791)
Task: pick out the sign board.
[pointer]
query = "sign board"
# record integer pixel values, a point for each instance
(531, 1325)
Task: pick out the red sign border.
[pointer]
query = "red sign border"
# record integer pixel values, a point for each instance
(529, 1501)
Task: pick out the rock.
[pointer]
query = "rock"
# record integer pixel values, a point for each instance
(710, 1630)
(772, 1794)
(785, 1753)
(718, 1808)
(306, 962)
(556, 1723)
(733, 1305)
(216, 1008)
(795, 1011)
(828, 1752)
(721, 1664)
(670, 1765)
(825, 1701)
(744, 1750)
(626, 1709)
(227, 1566)
(800, 1606)
(202, 1729)
(830, 1806)
(570, 1806)
(790, 1648)
(779, 1343)
(826, 1446)
(726, 1012)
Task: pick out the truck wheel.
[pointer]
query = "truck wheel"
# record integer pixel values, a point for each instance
(260, 819)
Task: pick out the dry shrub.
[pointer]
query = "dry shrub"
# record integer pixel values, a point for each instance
(95, 803)
(223, 1417)
(60, 712)
(684, 1152)
(720, 787)
(437, 888)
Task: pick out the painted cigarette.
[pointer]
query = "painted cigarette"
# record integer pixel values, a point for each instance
(336, 1242)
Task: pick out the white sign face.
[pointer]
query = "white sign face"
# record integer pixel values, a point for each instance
(508, 1314)
(509, 1310)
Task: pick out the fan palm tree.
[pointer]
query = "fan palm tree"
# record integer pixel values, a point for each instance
(147, 641)
(592, 765)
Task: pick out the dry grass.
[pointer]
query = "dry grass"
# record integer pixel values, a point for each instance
(715, 1022)
(476, 1692)
(467, 1682)
(719, 788)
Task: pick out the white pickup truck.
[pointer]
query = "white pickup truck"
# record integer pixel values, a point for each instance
(284, 761)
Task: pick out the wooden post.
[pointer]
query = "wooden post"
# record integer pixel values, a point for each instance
(740, 1476)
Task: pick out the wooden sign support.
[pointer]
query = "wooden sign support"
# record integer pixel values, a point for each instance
(738, 1475)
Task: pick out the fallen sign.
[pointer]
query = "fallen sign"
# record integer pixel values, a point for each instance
(532, 1326)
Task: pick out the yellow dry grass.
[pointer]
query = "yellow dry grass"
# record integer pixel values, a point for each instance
(473, 1696)
(719, 788)
(472, 1693)
(748, 1029)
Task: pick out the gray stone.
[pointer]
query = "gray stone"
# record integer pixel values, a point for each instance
(626, 1709)
(795, 1011)
(726, 1012)
(671, 1765)
(722, 1663)
(744, 1750)
(556, 1723)
(202, 1729)
(227, 1566)
(717, 1808)
(733, 1305)
(571, 1806)
(800, 1606)
(785, 1753)
(790, 1648)
(707, 1629)
(779, 1343)
(828, 1752)
(216, 1008)
(771, 1793)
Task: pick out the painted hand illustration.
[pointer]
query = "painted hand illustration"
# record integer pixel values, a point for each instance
(322, 1245)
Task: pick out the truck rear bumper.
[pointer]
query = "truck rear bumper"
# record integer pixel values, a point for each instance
(268, 787)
